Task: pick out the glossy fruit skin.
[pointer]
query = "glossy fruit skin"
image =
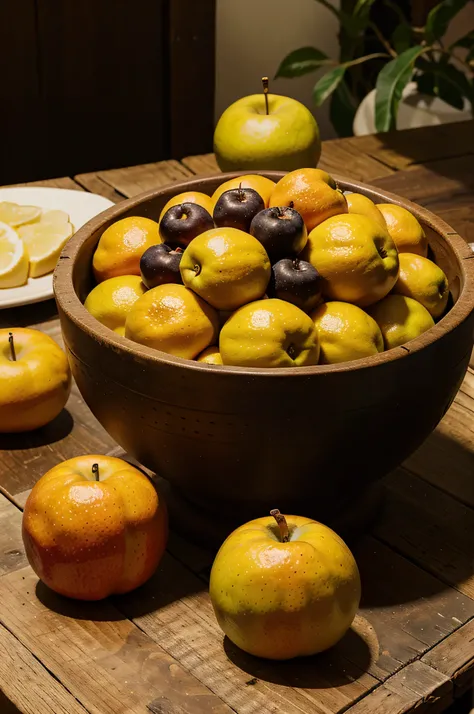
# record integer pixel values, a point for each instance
(172, 319)
(308, 193)
(269, 333)
(356, 258)
(34, 388)
(182, 223)
(262, 185)
(248, 139)
(89, 539)
(210, 355)
(360, 204)
(404, 229)
(159, 265)
(202, 199)
(400, 319)
(296, 281)
(345, 332)
(281, 231)
(236, 208)
(111, 300)
(122, 245)
(283, 600)
(226, 267)
(424, 281)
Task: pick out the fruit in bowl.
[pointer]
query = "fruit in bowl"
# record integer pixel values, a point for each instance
(185, 418)
(310, 245)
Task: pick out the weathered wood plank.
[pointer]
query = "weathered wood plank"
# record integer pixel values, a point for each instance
(347, 160)
(93, 183)
(430, 528)
(27, 686)
(446, 459)
(400, 149)
(104, 660)
(416, 688)
(204, 165)
(12, 555)
(446, 187)
(136, 179)
(454, 657)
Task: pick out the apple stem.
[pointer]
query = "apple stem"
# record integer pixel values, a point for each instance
(12, 346)
(95, 471)
(241, 193)
(265, 93)
(282, 525)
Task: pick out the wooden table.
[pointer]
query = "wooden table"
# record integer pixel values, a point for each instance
(159, 650)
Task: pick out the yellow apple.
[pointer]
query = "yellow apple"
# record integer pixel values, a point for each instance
(283, 587)
(247, 138)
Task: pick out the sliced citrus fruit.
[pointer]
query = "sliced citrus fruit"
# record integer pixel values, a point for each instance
(44, 243)
(15, 215)
(13, 258)
(54, 217)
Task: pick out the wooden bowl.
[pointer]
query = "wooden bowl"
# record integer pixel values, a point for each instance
(240, 441)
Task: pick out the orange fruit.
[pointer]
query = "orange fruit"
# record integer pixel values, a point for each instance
(202, 199)
(423, 280)
(359, 204)
(173, 319)
(263, 186)
(405, 230)
(307, 191)
(210, 355)
(356, 258)
(122, 245)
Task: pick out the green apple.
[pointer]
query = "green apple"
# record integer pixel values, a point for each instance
(247, 138)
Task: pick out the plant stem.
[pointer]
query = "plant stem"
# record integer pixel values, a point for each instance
(453, 56)
(12, 346)
(382, 40)
(265, 93)
(282, 525)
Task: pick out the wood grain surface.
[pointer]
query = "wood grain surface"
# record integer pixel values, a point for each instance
(159, 649)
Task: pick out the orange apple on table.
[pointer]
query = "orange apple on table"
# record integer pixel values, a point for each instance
(94, 526)
(283, 587)
(35, 379)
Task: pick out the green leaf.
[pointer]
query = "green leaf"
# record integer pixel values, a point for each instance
(342, 110)
(440, 16)
(467, 41)
(301, 61)
(347, 21)
(390, 84)
(449, 83)
(401, 37)
(327, 84)
(396, 8)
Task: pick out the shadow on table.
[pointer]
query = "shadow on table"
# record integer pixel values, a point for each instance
(101, 611)
(25, 316)
(326, 670)
(55, 431)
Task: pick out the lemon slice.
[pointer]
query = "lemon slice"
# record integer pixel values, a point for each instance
(44, 243)
(15, 215)
(13, 258)
(54, 217)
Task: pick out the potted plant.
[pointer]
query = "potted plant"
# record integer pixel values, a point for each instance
(410, 65)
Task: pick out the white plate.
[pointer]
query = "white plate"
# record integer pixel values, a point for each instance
(81, 207)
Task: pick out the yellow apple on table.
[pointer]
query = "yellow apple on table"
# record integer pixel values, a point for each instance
(266, 132)
(35, 379)
(284, 587)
